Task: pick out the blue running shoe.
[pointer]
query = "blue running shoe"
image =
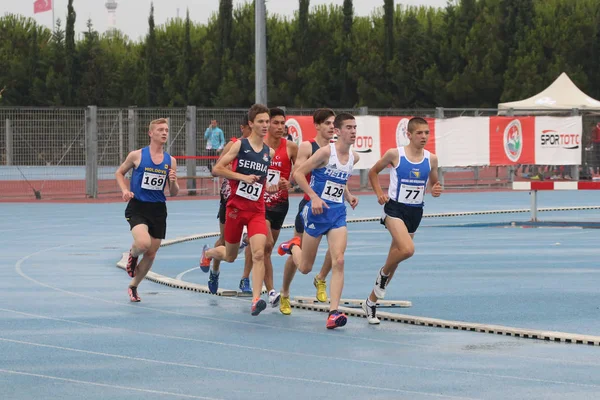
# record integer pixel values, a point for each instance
(245, 285)
(243, 243)
(204, 261)
(213, 282)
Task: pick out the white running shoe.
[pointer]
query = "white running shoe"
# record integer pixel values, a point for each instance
(274, 298)
(380, 284)
(371, 313)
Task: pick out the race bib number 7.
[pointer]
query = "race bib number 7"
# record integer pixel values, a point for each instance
(410, 194)
(273, 176)
(333, 192)
(249, 191)
(152, 181)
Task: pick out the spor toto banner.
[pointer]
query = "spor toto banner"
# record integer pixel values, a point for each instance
(466, 141)
(558, 139)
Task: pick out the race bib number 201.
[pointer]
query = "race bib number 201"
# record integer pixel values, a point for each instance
(249, 191)
(333, 192)
(152, 181)
(410, 194)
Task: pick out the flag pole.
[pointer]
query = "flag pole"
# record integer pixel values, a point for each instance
(53, 24)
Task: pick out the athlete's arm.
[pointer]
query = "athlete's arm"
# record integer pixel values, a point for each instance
(292, 151)
(390, 157)
(350, 198)
(220, 168)
(133, 159)
(304, 153)
(173, 184)
(274, 188)
(434, 181)
(225, 150)
(317, 160)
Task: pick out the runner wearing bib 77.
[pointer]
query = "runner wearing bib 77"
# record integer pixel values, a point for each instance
(250, 160)
(325, 213)
(413, 170)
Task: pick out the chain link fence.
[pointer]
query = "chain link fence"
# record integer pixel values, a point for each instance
(74, 152)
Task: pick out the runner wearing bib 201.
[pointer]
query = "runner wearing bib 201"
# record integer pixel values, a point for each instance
(246, 203)
(329, 183)
(408, 182)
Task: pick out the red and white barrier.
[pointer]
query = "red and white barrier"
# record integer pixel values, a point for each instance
(575, 185)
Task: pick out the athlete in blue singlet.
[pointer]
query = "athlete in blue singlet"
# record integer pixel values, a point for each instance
(414, 168)
(325, 213)
(146, 211)
(323, 119)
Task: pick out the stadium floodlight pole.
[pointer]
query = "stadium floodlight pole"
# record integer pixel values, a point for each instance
(260, 78)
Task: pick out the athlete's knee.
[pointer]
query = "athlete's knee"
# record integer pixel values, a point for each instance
(143, 244)
(406, 250)
(337, 261)
(305, 268)
(150, 254)
(258, 255)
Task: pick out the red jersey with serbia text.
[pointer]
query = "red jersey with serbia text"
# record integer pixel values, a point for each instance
(244, 196)
(281, 167)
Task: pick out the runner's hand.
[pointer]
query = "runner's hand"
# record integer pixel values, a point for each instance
(127, 195)
(383, 199)
(436, 190)
(318, 205)
(353, 200)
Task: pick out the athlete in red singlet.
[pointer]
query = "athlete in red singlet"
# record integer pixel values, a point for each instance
(251, 159)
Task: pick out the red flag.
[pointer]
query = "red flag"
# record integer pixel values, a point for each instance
(42, 6)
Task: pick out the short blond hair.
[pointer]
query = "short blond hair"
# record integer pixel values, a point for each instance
(158, 122)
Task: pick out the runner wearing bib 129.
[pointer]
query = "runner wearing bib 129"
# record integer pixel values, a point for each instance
(329, 183)
(407, 190)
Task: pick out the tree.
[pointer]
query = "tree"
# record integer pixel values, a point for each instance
(153, 81)
(70, 55)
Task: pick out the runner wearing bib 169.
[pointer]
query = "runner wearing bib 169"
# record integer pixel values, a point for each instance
(414, 169)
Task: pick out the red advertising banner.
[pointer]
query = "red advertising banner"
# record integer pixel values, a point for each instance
(512, 140)
(301, 127)
(392, 131)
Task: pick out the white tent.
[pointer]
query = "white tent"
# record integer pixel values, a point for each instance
(562, 94)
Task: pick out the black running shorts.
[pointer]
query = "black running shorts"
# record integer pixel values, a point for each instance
(277, 216)
(299, 223)
(410, 215)
(153, 215)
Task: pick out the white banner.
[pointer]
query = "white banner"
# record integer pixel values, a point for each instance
(558, 140)
(367, 143)
(462, 141)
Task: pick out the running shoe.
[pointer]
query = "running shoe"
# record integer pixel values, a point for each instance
(204, 261)
(286, 247)
(133, 294)
(131, 264)
(258, 305)
(321, 286)
(336, 320)
(213, 282)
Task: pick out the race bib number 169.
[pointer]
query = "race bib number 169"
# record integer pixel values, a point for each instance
(152, 181)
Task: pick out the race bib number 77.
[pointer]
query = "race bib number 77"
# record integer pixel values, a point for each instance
(410, 194)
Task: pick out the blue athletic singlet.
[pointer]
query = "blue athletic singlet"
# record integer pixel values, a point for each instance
(148, 180)
(408, 180)
(329, 183)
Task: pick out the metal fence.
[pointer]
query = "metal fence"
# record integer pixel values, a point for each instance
(74, 152)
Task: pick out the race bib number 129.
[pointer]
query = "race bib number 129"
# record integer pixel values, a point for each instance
(152, 181)
(333, 192)
(249, 191)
